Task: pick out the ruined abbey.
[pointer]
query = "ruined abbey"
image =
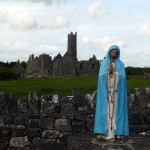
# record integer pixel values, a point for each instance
(67, 65)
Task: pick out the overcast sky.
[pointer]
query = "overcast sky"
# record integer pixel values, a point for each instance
(41, 26)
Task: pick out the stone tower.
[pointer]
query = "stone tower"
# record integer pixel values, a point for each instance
(72, 45)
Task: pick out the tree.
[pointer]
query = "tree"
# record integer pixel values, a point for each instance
(24, 64)
(7, 74)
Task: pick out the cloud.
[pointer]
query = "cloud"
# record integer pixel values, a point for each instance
(22, 49)
(3, 17)
(17, 18)
(104, 42)
(95, 8)
(86, 41)
(144, 30)
(22, 22)
(51, 50)
(12, 47)
(131, 57)
(107, 41)
(102, 9)
(98, 9)
(62, 41)
(58, 22)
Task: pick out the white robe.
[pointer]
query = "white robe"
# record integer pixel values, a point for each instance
(112, 84)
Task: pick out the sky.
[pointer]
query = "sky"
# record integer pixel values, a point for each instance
(42, 26)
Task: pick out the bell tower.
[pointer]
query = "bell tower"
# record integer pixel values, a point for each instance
(72, 45)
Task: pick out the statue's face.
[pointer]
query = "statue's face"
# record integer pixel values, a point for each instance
(113, 54)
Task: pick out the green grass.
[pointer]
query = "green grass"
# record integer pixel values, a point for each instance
(62, 86)
(137, 81)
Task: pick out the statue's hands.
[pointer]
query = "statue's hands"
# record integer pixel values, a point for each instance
(111, 68)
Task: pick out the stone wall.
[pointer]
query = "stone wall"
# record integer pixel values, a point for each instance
(32, 121)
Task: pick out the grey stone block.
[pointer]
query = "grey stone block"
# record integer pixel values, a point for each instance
(50, 134)
(21, 120)
(19, 142)
(78, 125)
(34, 132)
(46, 123)
(34, 123)
(63, 124)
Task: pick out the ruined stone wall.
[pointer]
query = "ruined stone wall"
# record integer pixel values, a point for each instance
(44, 66)
(34, 121)
(87, 67)
(68, 68)
(41, 66)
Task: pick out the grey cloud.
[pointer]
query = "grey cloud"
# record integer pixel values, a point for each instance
(23, 27)
(47, 2)
(23, 22)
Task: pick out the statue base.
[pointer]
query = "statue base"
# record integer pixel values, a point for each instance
(88, 141)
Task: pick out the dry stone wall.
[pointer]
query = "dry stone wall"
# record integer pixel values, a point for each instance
(33, 121)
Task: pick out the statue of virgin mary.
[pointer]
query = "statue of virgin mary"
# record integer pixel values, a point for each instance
(111, 115)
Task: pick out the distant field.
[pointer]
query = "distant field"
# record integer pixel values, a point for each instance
(62, 86)
(137, 81)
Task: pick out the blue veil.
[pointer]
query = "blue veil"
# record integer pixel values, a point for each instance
(100, 126)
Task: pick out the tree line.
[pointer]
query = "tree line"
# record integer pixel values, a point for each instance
(12, 64)
(6, 70)
(137, 70)
(7, 73)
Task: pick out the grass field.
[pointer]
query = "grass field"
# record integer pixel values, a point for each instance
(62, 86)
